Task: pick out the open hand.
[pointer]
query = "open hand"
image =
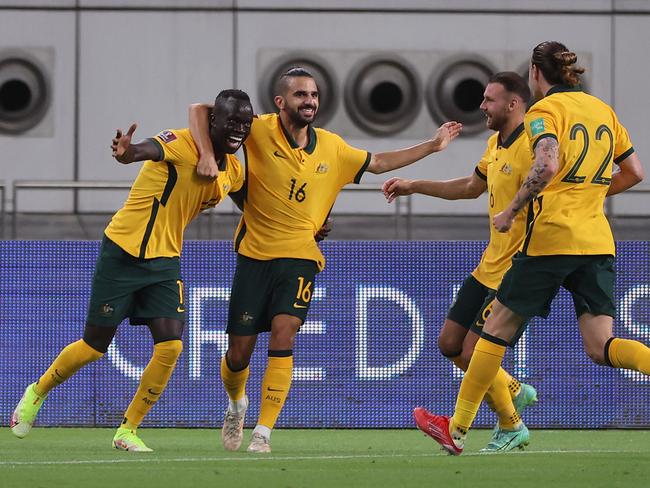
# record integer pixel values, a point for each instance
(446, 133)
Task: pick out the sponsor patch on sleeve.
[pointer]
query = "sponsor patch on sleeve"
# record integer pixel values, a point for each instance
(537, 126)
(167, 136)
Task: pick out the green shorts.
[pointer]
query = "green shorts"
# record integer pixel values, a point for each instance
(472, 304)
(529, 286)
(263, 289)
(141, 289)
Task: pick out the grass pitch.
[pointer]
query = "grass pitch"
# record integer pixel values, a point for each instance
(322, 458)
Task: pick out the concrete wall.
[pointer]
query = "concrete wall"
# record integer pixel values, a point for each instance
(111, 63)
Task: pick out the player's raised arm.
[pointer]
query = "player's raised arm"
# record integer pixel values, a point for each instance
(391, 160)
(199, 114)
(468, 187)
(125, 152)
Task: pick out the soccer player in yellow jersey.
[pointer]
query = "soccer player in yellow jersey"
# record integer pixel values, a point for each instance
(501, 171)
(138, 270)
(293, 174)
(575, 138)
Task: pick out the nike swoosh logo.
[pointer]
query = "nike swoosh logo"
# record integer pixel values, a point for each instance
(151, 392)
(279, 155)
(296, 305)
(180, 309)
(273, 389)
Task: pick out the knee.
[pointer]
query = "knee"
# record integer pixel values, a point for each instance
(237, 358)
(99, 338)
(449, 346)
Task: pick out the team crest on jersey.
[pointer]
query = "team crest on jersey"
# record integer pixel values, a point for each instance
(322, 168)
(537, 126)
(506, 169)
(167, 136)
(226, 187)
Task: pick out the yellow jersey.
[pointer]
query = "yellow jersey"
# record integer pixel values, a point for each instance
(291, 190)
(504, 166)
(569, 218)
(166, 195)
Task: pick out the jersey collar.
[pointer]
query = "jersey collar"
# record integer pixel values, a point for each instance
(563, 88)
(311, 134)
(512, 137)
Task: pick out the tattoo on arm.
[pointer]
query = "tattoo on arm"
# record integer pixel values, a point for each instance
(546, 155)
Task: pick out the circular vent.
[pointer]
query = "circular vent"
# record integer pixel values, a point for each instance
(382, 96)
(455, 92)
(24, 94)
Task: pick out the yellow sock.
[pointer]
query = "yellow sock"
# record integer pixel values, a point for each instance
(624, 353)
(70, 360)
(513, 385)
(153, 382)
(482, 371)
(275, 388)
(499, 399)
(234, 381)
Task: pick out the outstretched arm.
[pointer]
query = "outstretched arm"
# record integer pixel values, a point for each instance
(126, 153)
(631, 173)
(544, 167)
(460, 188)
(388, 161)
(199, 116)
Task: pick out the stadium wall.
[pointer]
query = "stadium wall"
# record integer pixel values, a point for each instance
(364, 359)
(109, 63)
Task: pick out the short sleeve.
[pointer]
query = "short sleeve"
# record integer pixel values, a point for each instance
(539, 124)
(352, 162)
(481, 169)
(171, 144)
(622, 143)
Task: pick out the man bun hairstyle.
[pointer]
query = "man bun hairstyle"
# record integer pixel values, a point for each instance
(282, 82)
(557, 63)
(513, 83)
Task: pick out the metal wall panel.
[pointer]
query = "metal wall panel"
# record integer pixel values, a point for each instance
(144, 67)
(47, 150)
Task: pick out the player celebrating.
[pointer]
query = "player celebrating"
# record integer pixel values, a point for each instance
(575, 138)
(294, 173)
(502, 170)
(138, 270)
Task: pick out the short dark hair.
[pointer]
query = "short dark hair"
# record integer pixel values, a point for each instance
(512, 82)
(282, 82)
(233, 93)
(556, 63)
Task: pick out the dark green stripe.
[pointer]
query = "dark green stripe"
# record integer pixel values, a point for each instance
(543, 136)
(494, 340)
(161, 151)
(147, 232)
(280, 353)
(172, 178)
(530, 222)
(624, 156)
(563, 88)
(240, 235)
(363, 168)
(607, 344)
(311, 145)
(479, 174)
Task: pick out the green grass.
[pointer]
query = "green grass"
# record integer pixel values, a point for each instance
(323, 458)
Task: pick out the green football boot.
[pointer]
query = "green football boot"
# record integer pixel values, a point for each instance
(505, 440)
(22, 420)
(127, 440)
(526, 397)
